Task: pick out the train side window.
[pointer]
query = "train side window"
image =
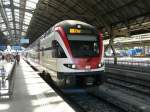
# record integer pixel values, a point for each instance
(54, 49)
(58, 51)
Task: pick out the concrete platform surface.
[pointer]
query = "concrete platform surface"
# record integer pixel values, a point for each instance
(32, 94)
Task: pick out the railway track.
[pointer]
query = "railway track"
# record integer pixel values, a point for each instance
(129, 79)
(91, 103)
(130, 67)
(131, 92)
(131, 86)
(130, 83)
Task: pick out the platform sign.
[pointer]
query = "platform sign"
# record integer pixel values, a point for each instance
(24, 41)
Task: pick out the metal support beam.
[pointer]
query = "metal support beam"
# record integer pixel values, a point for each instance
(114, 54)
(13, 15)
(110, 45)
(4, 16)
(128, 28)
(22, 13)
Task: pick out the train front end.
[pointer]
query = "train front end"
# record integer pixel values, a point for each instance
(84, 50)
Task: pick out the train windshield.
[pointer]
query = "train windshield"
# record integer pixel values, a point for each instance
(84, 45)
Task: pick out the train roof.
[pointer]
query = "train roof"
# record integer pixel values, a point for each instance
(73, 23)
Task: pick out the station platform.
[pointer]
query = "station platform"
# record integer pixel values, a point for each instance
(6, 82)
(32, 94)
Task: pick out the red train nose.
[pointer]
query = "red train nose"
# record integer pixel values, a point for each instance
(87, 63)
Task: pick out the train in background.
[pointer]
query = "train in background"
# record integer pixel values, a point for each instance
(70, 52)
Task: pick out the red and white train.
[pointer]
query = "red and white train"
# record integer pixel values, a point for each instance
(71, 52)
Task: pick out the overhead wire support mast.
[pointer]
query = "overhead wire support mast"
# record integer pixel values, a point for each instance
(4, 16)
(21, 14)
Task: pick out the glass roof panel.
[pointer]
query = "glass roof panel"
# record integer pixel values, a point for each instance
(17, 1)
(11, 26)
(17, 24)
(26, 20)
(30, 5)
(17, 14)
(7, 9)
(9, 16)
(23, 33)
(33, 1)
(6, 2)
(17, 18)
(28, 14)
(16, 4)
(6, 33)
(17, 31)
(27, 17)
(3, 26)
(17, 27)
(25, 27)
(16, 10)
(1, 19)
(10, 22)
(12, 31)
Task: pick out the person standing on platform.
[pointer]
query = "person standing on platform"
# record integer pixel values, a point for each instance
(18, 58)
(3, 57)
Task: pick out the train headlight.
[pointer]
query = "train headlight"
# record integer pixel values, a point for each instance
(73, 66)
(101, 65)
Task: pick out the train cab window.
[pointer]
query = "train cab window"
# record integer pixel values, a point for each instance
(58, 51)
(84, 45)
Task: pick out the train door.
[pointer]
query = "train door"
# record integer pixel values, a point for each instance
(52, 56)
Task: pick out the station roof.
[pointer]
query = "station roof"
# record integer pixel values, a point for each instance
(15, 16)
(33, 17)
